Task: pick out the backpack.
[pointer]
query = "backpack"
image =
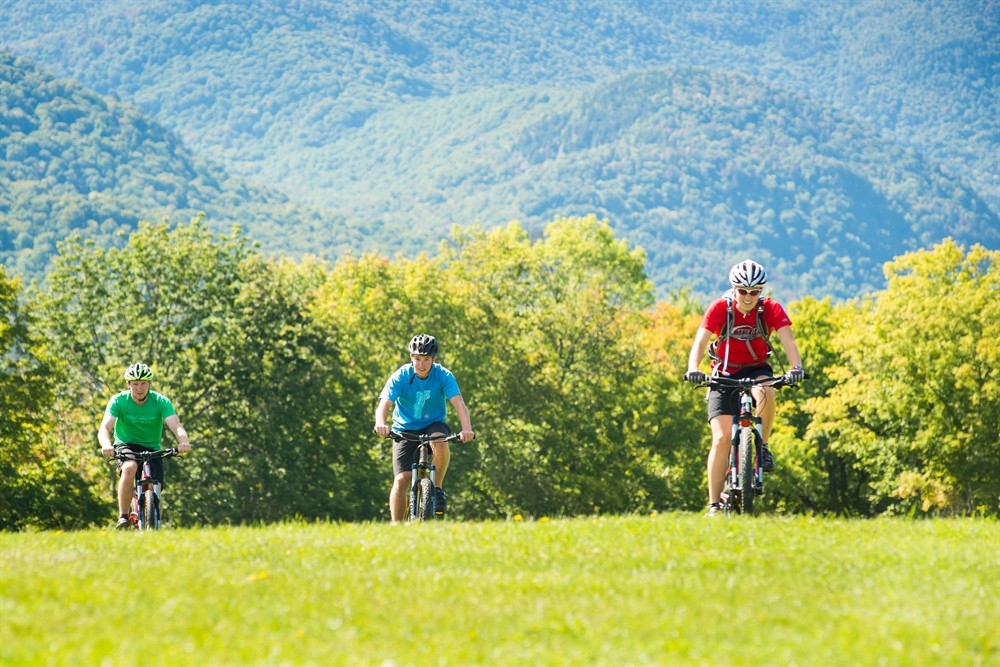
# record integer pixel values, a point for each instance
(727, 328)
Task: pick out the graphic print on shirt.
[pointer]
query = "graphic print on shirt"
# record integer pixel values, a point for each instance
(744, 332)
(420, 399)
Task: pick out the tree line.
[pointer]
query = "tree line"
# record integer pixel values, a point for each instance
(571, 368)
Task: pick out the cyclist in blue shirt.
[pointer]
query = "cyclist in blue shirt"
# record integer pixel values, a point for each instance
(417, 395)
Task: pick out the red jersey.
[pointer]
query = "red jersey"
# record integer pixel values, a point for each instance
(744, 345)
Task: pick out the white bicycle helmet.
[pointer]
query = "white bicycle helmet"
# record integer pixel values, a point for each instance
(138, 372)
(747, 273)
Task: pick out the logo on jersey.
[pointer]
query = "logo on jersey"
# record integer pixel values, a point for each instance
(421, 398)
(744, 332)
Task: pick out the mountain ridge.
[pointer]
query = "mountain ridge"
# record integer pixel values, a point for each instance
(280, 93)
(75, 161)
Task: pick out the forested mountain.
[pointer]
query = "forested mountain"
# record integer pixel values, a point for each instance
(73, 161)
(810, 135)
(692, 165)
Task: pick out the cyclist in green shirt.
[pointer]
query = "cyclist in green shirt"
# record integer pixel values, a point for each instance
(133, 421)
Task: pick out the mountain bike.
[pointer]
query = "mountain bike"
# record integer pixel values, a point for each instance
(745, 476)
(423, 500)
(146, 507)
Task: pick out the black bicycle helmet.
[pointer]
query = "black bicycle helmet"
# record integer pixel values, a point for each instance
(424, 344)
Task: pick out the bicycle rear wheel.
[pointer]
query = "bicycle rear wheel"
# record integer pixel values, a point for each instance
(746, 452)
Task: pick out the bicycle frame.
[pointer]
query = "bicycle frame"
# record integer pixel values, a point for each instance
(745, 476)
(146, 508)
(423, 482)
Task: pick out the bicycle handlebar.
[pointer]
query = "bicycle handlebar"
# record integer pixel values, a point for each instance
(147, 456)
(724, 382)
(399, 437)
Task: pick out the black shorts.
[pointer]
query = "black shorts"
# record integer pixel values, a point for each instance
(727, 401)
(155, 466)
(404, 451)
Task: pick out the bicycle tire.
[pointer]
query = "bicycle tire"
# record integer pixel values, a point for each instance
(147, 518)
(746, 452)
(425, 500)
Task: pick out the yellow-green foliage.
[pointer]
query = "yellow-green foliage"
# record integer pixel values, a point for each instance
(915, 397)
(572, 374)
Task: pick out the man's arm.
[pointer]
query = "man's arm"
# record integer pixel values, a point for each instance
(462, 411)
(382, 417)
(174, 424)
(104, 435)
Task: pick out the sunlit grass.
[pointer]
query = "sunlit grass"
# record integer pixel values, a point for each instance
(669, 589)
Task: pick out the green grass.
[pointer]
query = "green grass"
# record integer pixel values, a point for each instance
(675, 589)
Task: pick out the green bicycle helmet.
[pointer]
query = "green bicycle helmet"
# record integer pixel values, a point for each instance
(138, 372)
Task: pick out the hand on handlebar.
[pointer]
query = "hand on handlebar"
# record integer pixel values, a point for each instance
(696, 377)
(797, 374)
(383, 430)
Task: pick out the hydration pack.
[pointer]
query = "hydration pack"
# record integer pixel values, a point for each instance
(727, 330)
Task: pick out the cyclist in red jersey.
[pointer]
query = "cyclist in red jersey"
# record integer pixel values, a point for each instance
(741, 321)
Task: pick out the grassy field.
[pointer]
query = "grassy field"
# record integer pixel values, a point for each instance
(676, 589)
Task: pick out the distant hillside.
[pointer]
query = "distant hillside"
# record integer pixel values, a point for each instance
(699, 168)
(73, 161)
(811, 135)
(254, 80)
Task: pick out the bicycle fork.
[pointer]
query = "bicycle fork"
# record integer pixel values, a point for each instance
(138, 517)
(746, 419)
(418, 472)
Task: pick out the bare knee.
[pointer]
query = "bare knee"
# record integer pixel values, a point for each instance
(722, 434)
(401, 481)
(128, 470)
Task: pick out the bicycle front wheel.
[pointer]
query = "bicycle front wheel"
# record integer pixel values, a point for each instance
(425, 500)
(147, 515)
(746, 453)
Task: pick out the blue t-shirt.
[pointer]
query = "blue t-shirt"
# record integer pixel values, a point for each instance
(419, 403)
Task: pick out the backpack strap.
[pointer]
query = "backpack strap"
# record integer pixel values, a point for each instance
(727, 328)
(762, 331)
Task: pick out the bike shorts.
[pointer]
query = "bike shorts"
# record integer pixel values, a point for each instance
(404, 451)
(727, 401)
(155, 466)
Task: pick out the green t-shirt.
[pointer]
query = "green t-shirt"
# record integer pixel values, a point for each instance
(139, 424)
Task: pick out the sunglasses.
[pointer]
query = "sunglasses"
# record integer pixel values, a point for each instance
(749, 292)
